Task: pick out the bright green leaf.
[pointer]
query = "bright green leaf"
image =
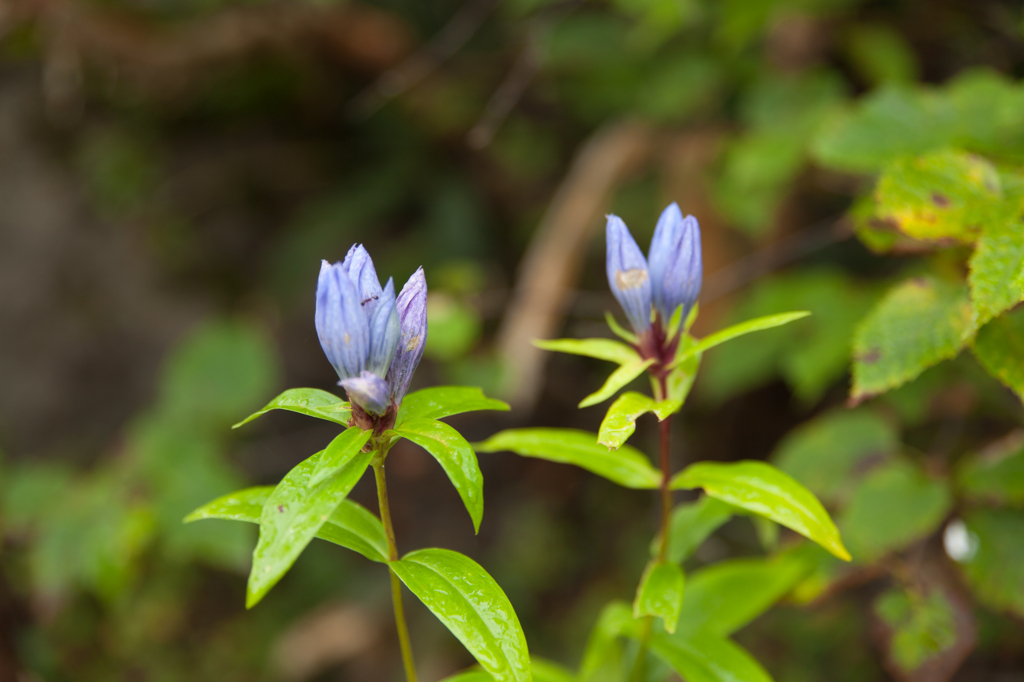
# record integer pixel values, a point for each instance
(455, 456)
(351, 525)
(308, 401)
(337, 455)
(660, 593)
(996, 474)
(916, 325)
(294, 514)
(616, 380)
(602, 349)
(691, 524)
(618, 330)
(626, 466)
(723, 335)
(472, 606)
(543, 671)
(999, 348)
(724, 597)
(824, 454)
(938, 196)
(705, 657)
(439, 402)
(892, 507)
(620, 420)
(762, 489)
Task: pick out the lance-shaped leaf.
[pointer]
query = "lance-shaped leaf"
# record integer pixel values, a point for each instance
(626, 466)
(602, 349)
(762, 489)
(705, 657)
(439, 402)
(472, 606)
(618, 330)
(543, 671)
(617, 380)
(620, 420)
(308, 401)
(660, 593)
(723, 335)
(337, 455)
(351, 525)
(294, 514)
(455, 456)
(691, 524)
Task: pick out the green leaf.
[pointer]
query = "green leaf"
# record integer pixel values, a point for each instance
(603, 657)
(617, 329)
(995, 475)
(724, 597)
(308, 401)
(996, 274)
(945, 195)
(351, 525)
(616, 380)
(337, 455)
(916, 325)
(602, 349)
(626, 466)
(999, 348)
(660, 593)
(680, 378)
(825, 453)
(691, 524)
(761, 488)
(294, 514)
(705, 657)
(723, 335)
(893, 506)
(472, 606)
(443, 401)
(922, 626)
(996, 569)
(543, 671)
(620, 420)
(455, 456)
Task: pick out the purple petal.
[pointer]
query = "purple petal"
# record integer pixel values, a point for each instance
(412, 313)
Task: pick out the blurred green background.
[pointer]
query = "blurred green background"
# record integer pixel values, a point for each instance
(171, 172)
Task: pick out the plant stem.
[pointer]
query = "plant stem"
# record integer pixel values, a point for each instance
(396, 584)
(639, 671)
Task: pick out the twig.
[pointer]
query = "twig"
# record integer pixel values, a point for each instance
(508, 93)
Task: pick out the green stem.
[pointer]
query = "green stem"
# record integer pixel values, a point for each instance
(639, 671)
(396, 584)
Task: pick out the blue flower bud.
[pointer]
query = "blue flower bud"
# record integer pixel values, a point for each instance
(675, 263)
(359, 267)
(384, 331)
(341, 324)
(628, 275)
(368, 391)
(412, 313)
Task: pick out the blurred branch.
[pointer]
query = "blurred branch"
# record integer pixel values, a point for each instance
(551, 264)
(424, 61)
(162, 60)
(509, 92)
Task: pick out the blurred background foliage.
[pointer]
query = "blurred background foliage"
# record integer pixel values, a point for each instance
(172, 172)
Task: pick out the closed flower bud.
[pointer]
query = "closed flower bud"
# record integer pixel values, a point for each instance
(341, 324)
(628, 275)
(676, 268)
(384, 331)
(368, 391)
(412, 314)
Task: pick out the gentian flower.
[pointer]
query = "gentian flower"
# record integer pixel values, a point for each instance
(373, 339)
(669, 278)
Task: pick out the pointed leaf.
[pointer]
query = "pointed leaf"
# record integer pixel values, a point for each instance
(294, 514)
(620, 420)
(617, 329)
(617, 380)
(660, 593)
(337, 454)
(455, 456)
(543, 671)
(999, 348)
(725, 596)
(761, 488)
(351, 525)
(723, 335)
(626, 466)
(916, 325)
(602, 349)
(444, 401)
(705, 657)
(308, 401)
(691, 524)
(472, 606)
